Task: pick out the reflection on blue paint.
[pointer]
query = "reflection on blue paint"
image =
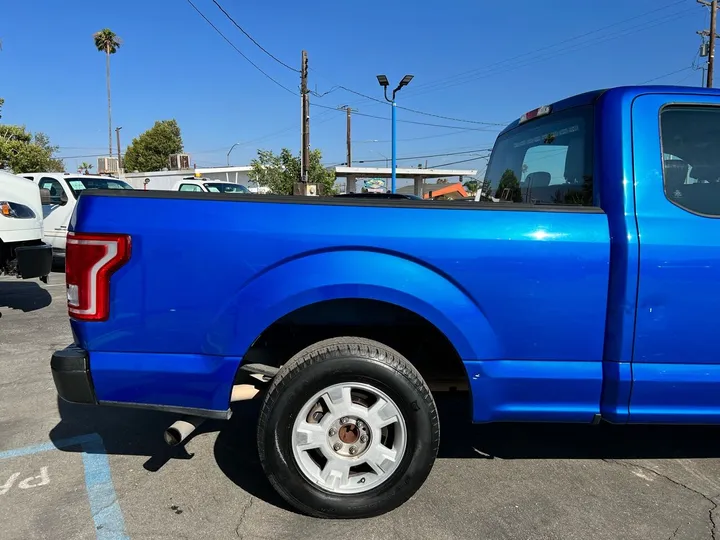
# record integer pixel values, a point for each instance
(108, 518)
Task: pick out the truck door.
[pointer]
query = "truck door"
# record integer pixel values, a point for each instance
(57, 216)
(676, 359)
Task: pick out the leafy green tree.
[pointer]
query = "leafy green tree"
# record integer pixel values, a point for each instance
(509, 181)
(2, 102)
(21, 151)
(152, 149)
(107, 42)
(280, 172)
(471, 186)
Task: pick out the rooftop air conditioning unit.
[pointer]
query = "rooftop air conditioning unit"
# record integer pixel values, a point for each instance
(107, 165)
(179, 162)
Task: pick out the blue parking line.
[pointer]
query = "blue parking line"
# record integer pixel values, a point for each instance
(104, 506)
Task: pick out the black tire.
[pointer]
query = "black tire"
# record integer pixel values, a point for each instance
(331, 362)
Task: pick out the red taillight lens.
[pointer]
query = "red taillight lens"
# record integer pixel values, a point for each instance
(90, 260)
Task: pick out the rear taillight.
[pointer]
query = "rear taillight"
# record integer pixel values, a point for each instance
(90, 260)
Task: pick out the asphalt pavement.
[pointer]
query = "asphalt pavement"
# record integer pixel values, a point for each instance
(76, 472)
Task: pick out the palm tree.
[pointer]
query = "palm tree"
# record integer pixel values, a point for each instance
(108, 42)
(85, 167)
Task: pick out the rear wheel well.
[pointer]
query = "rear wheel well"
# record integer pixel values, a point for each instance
(413, 336)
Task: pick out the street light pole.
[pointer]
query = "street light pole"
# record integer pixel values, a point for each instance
(228, 154)
(394, 146)
(117, 133)
(383, 80)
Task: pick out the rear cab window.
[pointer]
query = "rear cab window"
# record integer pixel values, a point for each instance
(79, 184)
(690, 137)
(226, 188)
(545, 161)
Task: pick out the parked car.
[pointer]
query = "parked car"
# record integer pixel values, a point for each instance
(209, 186)
(589, 294)
(65, 189)
(22, 250)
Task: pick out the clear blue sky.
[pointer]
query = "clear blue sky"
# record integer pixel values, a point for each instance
(172, 64)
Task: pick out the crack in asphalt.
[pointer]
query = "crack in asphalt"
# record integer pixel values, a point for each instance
(243, 513)
(713, 504)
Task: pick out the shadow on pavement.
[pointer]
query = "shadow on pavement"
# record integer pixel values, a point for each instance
(124, 431)
(462, 439)
(23, 295)
(139, 432)
(58, 266)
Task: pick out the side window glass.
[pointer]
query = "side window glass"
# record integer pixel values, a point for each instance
(190, 187)
(57, 194)
(691, 166)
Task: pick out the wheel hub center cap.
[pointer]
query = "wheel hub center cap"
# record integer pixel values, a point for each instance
(349, 433)
(349, 436)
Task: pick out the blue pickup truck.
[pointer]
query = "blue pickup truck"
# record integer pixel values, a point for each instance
(582, 290)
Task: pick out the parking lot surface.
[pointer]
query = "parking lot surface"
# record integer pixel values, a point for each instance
(77, 472)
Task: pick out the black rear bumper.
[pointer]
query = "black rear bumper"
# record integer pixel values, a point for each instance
(71, 373)
(34, 261)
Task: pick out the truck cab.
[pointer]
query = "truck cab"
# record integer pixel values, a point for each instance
(65, 189)
(206, 185)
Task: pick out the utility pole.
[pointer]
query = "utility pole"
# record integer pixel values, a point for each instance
(348, 135)
(117, 133)
(711, 34)
(305, 106)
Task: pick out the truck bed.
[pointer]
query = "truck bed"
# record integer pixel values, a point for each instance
(524, 288)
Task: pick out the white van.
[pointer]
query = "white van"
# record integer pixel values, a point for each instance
(22, 250)
(64, 191)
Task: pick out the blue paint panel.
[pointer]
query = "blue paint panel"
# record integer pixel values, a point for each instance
(544, 391)
(676, 365)
(617, 388)
(184, 380)
(676, 393)
(614, 181)
(499, 284)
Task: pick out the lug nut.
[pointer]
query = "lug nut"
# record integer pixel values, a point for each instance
(353, 450)
(363, 439)
(337, 446)
(344, 420)
(332, 432)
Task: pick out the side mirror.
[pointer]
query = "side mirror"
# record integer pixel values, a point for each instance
(63, 199)
(45, 196)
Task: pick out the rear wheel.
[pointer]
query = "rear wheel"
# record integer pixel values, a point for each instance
(348, 429)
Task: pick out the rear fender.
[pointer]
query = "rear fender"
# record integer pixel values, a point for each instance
(386, 277)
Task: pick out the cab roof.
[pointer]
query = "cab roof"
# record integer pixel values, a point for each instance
(588, 98)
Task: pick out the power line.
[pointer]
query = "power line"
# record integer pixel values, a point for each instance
(406, 121)
(298, 71)
(572, 39)
(429, 156)
(240, 52)
(526, 60)
(457, 162)
(413, 110)
(492, 69)
(263, 49)
(667, 75)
